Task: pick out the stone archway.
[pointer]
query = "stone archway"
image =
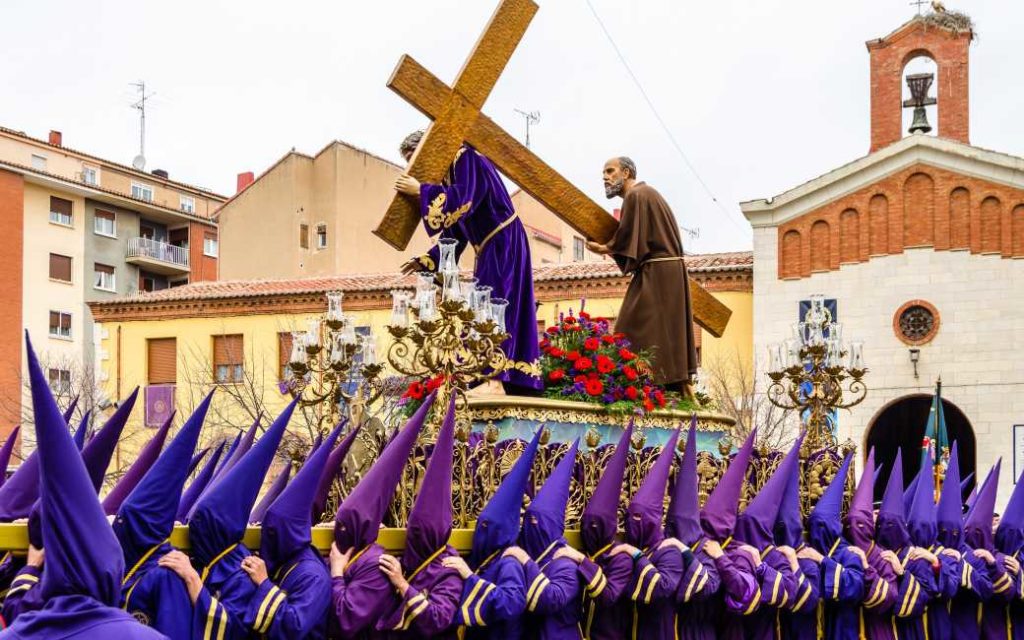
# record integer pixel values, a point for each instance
(901, 423)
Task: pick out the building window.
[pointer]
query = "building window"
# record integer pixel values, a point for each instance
(188, 204)
(90, 175)
(60, 211)
(60, 324)
(321, 236)
(916, 322)
(209, 244)
(355, 377)
(60, 268)
(303, 236)
(104, 223)
(38, 162)
(162, 360)
(284, 354)
(577, 249)
(103, 277)
(142, 192)
(60, 381)
(227, 359)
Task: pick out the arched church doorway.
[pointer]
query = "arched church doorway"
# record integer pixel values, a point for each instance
(901, 424)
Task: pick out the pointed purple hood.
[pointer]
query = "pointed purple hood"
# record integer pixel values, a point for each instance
(966, 482)
(683, 519)
(332, 469)
(82, 430)
(859, 524)
(198, 486)
(756, 525)
(98, 452)
(5, 453)
(950, 511)
(891, 525)
(978, 526)
(242, 446)
(544, 520)
(789, 524)
(497, 526)
(431, 517)
(148, 455)
(911, 491)
(196, 459)
(718, 518)
(220, 516)
(358, 519)
(145, 518)
(921, 517)
(70, 411)
(644, 514)
(600, 518)
(824, 524)
(275, 489)
(1010, 532)
(286, 524)
(83, 557)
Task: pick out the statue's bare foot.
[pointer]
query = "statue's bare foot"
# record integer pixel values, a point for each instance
(489, 388)
(688, 391)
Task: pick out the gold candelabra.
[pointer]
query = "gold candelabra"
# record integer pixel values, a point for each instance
(815, 373)
(324, 359)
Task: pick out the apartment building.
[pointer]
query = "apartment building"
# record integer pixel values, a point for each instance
(78, 228)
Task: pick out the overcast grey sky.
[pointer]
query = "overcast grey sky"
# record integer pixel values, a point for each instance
(760, 95)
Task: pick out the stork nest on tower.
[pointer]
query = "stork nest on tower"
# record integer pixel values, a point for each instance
(956, 21)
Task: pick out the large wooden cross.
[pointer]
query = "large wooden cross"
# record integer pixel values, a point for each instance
(457, 118)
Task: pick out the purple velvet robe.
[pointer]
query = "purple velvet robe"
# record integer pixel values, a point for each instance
(843, 580)
(917, 588)
(605, 579)
(493, 600)
(697, 607)
(553, 597)
(77, 616)
(427, 610)
(22, 595)
(220, 609)
(362, 596)
(652, 593)
(294, 602)
(981, 599)
(881, 592)
(157, 597)
(800, 620)
(778, 590)
(469, 206)
(940, 610)
(768, 592)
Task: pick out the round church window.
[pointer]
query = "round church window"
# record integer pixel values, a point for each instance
(916, 322)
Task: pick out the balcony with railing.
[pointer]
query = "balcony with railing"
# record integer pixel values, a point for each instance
(158, 257)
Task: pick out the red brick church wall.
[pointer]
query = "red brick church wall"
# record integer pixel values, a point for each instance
(921, 206)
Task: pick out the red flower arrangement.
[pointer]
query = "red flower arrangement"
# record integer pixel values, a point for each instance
(582, 358)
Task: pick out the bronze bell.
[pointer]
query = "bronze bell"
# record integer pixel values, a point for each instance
(920, 123)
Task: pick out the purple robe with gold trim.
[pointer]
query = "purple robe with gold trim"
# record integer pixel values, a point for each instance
(360, 597)
(800, 620)
(553, 598)
(652, 593)
(220, 609)
(294, 602)
(493, 600)
(605, 578)
(698, 606)
(427, 610)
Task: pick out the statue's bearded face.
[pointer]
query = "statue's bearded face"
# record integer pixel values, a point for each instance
(614, 179)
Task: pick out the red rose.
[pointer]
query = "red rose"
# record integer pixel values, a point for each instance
(631, 393)
(552, 330)
(583, 364)
(591, 344)
(580, 378)
(630, 373)
(594, 387)
(572, 356)
(607, 339)
(626, 354)
(605, 364)
(648, 405)
(569, 320)
(584, 315)
(556, 352)
(556, 375)
(415, 391)
(434, 383)
(659, 397)
(592, 375)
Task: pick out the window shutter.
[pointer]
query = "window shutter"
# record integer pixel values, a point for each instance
(60, 205)
(304, 236)
(163, 360)
(60, 267)
(105, 215)
(227, 350)
(284, 352)
(104, 268)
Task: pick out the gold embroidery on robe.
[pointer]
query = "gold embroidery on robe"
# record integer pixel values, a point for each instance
(437, 217)
(427, 262)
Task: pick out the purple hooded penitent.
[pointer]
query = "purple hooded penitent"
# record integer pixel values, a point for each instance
(644, 526)
(789, 524)
(238, 449)
(199, 484)
(70, 411)
(276, 487)
(82, 431)
(146, 517)
(430, 520)
(497, 526)
(911, 490)
(756, 525)
(544, 520)
(600, 519)
(859, 524)
(358, 519)
(891, 525)
(949, 513)
(332, 469)
(824, 526)
(5, 453)
(148, 455)
(966, 482)
(1010, 532)
(220, 516)
(683, 519)
(921, 517)
(978, 525)
(718, 519)
(287, 520)
(196, 459)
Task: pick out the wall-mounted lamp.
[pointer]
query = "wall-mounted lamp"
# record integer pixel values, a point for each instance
(915, 357)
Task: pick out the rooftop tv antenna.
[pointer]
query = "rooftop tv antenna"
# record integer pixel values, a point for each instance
(140, 160)
(531, 117)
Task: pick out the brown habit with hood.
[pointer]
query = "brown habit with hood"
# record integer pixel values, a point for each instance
(656, 315)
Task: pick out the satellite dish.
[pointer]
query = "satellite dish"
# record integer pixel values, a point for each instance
(139, 162)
